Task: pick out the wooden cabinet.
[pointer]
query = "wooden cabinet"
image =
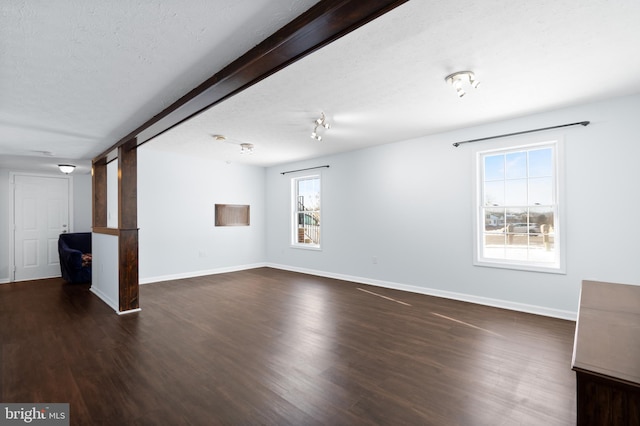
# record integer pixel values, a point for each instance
(606, 354)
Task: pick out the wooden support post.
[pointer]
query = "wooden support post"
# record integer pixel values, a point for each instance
(99, 184)
(128, 226)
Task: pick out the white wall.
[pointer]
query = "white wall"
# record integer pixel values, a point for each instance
(82, 190)
(104, 269)
(81, 212)
(112, 194)
(410, 204)
(176, 204)
(5, 224)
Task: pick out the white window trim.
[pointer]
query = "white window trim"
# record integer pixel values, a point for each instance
(292, 224)
(559, 267)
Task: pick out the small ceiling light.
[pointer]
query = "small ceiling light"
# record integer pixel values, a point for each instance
(458, 78)
(66, 168)
(320, 122)
(246, 148)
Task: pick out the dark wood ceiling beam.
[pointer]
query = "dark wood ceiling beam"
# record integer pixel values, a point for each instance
(325, 22)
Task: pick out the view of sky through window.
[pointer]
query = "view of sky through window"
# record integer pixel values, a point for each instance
(519, 178)
(309, 189)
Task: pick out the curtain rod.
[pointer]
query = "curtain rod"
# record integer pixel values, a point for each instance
(582, 123)
(302, 170)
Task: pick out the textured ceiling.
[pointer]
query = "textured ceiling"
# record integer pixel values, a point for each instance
(76, 76)
(385, 82)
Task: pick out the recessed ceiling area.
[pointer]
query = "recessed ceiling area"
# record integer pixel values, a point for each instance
(77, 77)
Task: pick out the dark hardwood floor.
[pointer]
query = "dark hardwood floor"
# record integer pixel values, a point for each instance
(269, 347)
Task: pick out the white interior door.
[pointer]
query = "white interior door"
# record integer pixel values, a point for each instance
(41, 214)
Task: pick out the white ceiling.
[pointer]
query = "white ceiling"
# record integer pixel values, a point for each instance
(76, 77)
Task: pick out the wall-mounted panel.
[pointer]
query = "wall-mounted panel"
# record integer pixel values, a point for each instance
(232, 215)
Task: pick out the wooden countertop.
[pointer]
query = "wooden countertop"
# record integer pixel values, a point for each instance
(607, 339)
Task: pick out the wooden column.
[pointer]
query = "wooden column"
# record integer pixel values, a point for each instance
(128, 226)
(99, 184)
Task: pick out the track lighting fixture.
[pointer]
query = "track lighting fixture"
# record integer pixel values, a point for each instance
(246, 148)
(320, 122)
(458, 78)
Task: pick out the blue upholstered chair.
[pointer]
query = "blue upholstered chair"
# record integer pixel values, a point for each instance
(75, 257)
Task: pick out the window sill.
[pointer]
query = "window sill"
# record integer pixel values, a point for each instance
(306, 247)
(521, 267)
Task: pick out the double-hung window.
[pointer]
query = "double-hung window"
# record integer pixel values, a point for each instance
(306, 211)
(518, 221)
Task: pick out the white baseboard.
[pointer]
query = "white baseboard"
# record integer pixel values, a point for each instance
(130, 311)
(497, 303)
(4, 280)
(111, 303)
(202, 273)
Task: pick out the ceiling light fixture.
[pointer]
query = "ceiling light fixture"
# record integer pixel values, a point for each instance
(320, 122)
(66, 168)
(458, 78)
(246, 148)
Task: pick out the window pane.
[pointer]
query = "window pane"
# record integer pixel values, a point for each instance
(306, 219)
(494, 167)
(544, 218)
(540, 191)
(516, 192)
(516, 165)
(541, 162)
(514, 216)
(542, 245)
(494, 245)
(493, 220)
(494, 193)
(309, 194)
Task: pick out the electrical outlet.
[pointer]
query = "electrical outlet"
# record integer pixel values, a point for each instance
(374, 260)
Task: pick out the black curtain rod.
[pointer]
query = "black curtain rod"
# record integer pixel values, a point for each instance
(302, 170)
(582, 123)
